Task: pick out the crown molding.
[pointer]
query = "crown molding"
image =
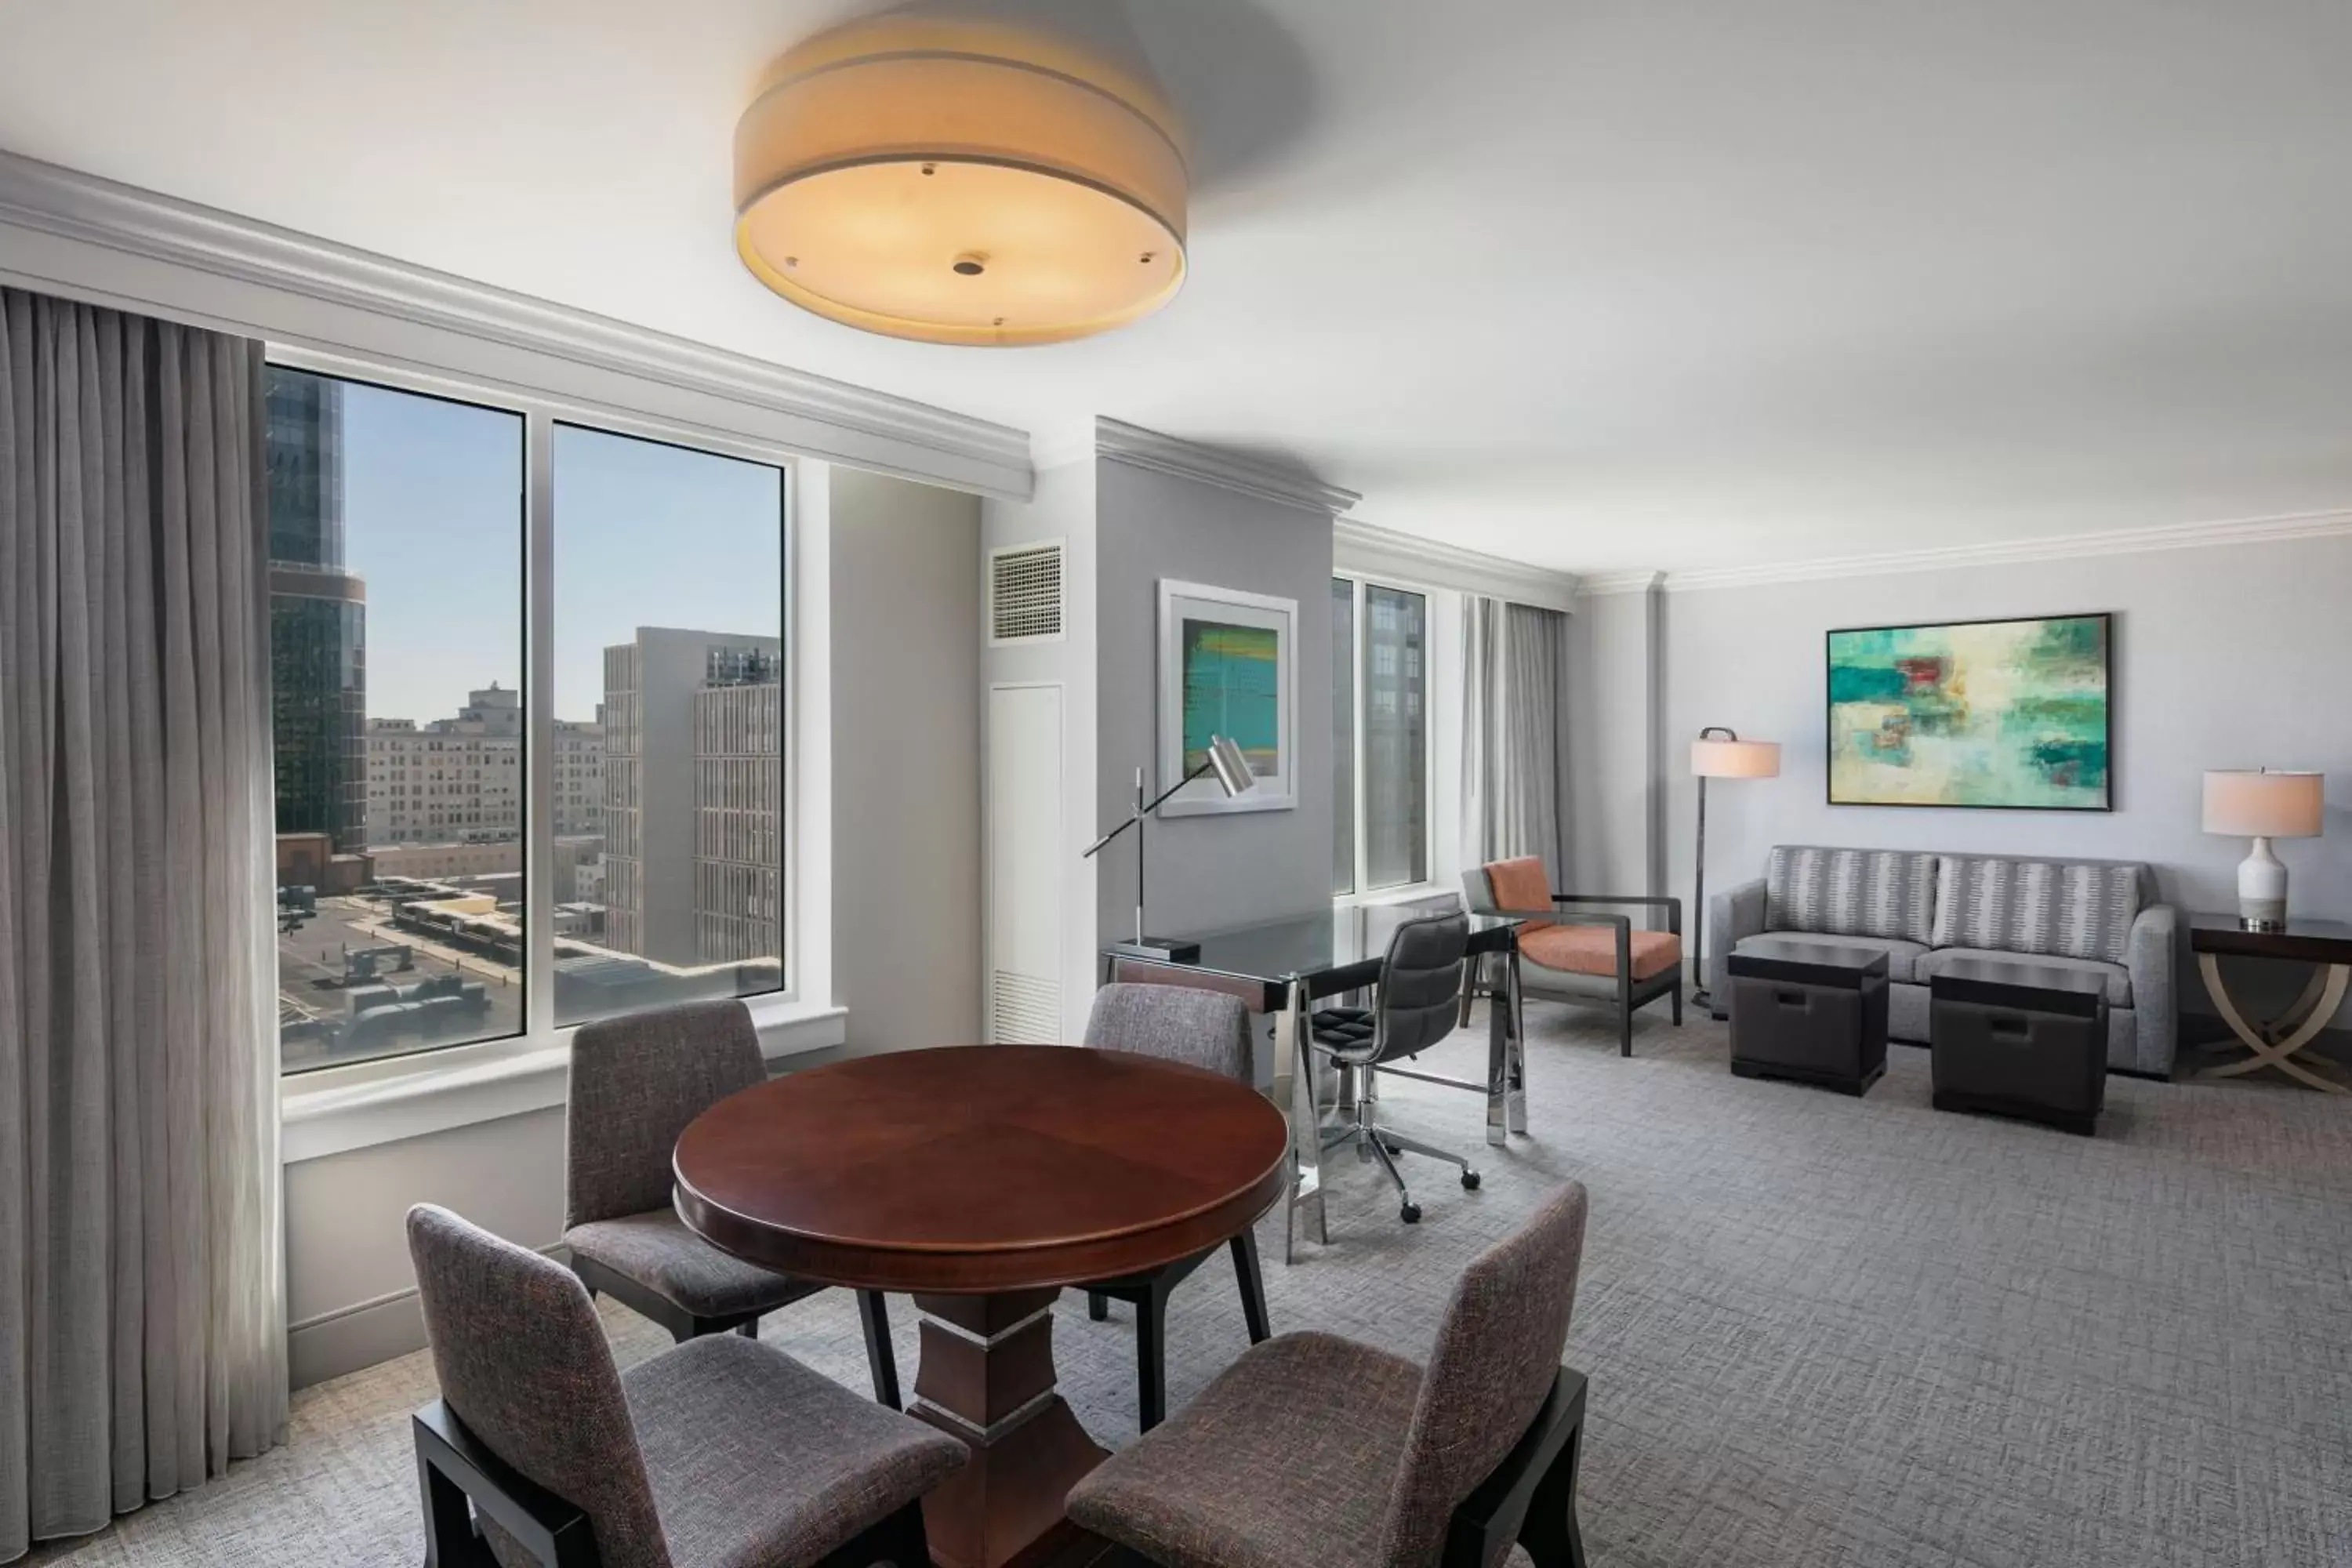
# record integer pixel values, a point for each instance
(206, 252)
(2018, 552)
(1133, 444)
(1385, 553)
(1594, 585)
(2006, 552)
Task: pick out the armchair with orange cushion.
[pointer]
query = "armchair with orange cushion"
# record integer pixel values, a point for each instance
(1569, 951)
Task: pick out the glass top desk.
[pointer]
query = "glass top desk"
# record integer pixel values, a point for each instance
(1284, 967)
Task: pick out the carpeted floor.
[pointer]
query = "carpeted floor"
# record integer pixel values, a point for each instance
(1820, 1330)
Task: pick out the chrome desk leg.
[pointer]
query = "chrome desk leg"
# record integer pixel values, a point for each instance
(1507, 1068)
(1294, 1069)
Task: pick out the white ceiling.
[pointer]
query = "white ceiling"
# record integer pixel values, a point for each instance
(1599, 284)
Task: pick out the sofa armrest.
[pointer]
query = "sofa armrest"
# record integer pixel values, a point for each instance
(2150, 957)
(1735, 912)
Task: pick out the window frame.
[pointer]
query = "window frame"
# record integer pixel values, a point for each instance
(513, 1073)
(1360, 892)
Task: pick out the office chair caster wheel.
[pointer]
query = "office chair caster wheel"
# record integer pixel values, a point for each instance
(1469, 1181)
(1409, 1214)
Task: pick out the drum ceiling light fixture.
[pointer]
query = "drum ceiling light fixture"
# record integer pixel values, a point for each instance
(961, 180)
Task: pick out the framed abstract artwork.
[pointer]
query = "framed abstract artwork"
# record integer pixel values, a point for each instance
(1225, 669)
(2002, 715)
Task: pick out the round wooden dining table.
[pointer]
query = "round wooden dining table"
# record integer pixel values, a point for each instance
(983, 1180)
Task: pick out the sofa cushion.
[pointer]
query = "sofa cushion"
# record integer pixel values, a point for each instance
(2043, 907)
(2118, 978)
(1593, 949)
(1901, 956)
(1851, 892)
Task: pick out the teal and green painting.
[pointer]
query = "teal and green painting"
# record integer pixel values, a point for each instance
(1991, 714)
(1233, 686)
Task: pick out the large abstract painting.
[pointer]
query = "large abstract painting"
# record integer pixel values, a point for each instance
(1224, 669)
(1975, 714)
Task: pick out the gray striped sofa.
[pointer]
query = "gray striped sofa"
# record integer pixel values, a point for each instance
(1924, 908)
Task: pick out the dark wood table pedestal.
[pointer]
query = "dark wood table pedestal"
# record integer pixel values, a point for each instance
(987, 1377)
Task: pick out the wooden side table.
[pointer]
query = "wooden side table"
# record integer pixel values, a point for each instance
(2278, 1042)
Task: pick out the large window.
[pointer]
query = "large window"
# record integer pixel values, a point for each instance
(395, 641)
(459, 861)
(669, 628)
(1380, 705)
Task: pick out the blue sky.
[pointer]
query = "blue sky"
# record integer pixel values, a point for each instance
(645, 535)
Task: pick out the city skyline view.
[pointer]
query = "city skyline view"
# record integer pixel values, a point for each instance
(398, 626)
(432, 496)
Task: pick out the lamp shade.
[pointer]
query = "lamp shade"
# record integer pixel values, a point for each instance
(961, 179)
(1232, 768)
(2265, 804)
(1735, 759)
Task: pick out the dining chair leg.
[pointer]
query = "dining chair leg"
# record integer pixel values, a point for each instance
(1678, 1006)
(900, 1540)
(1550, 1534)
(1253, 1285)
(875, 1318)
(449, 1539)
(1098, 1306)
(1151, 1357)
(1624, 1026)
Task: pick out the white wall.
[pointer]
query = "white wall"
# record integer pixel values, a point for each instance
(2224, 657)
(1063, 507)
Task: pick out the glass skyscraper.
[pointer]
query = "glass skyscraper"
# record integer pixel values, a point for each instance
(318, 617)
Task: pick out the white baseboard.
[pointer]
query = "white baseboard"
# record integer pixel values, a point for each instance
(365, 1334)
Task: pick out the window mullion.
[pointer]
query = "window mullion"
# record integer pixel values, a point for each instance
(538, 727)
(1359, 740)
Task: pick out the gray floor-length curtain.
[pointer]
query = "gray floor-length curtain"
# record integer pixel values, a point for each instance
(142, 1333)
(1515, 733)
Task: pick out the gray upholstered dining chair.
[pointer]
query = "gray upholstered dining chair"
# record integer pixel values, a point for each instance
(1197, 1029)
(723, 1452)
(637, 1081)
(1313, 1449)
(1416, 1006)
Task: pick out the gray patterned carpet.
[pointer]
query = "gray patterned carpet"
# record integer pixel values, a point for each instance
(1819, 1332)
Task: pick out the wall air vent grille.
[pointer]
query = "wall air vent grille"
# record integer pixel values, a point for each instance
(1024, 593)
(1027, 1010)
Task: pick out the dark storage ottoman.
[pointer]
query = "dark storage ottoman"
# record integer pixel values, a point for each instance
(1810, 1012)
(2019, 1038)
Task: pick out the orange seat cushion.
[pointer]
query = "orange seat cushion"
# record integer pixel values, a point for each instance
(1523, 884)
(1593, 949)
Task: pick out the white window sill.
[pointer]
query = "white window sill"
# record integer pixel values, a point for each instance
(1410, 893)
(336, 1110)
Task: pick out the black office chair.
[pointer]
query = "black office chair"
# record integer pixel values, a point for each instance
(1419, 999)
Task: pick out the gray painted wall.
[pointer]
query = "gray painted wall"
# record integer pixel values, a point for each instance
(1206, 871)
(1612, 716)
(2224, 657)
(906, 762)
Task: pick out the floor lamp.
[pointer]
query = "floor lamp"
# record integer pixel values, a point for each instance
(1720, 754)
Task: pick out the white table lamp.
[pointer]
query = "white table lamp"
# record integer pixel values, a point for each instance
(2262, 806)
(1720, 754)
